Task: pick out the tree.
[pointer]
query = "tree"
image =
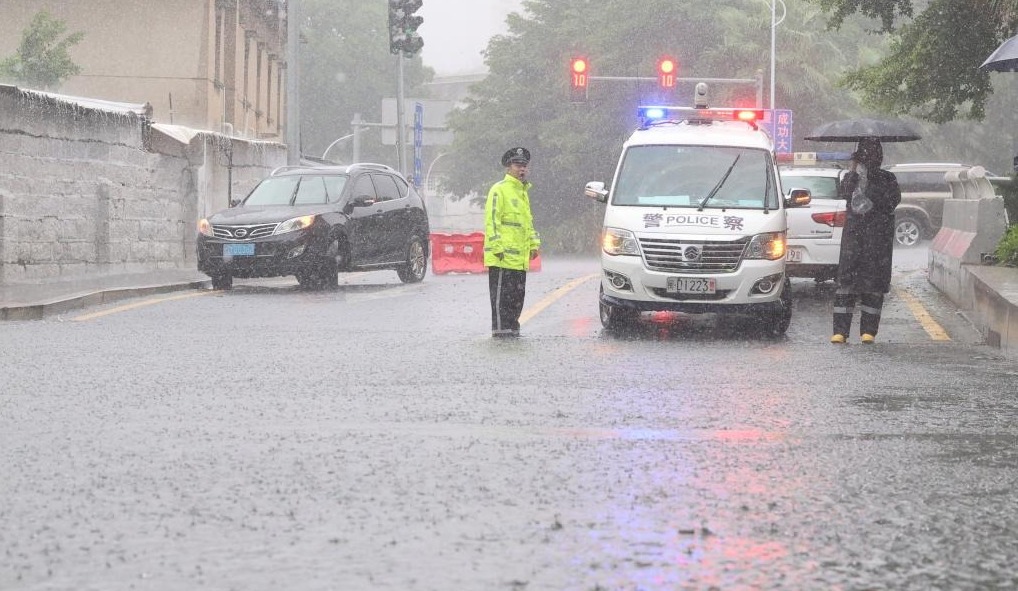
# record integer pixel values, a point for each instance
(346, 68)
(42, 60)
(931, 71)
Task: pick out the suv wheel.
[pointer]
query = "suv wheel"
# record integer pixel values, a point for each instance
(416, 264)
(908, 230)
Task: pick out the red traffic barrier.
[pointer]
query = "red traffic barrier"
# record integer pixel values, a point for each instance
(462, 253)
(457, 253)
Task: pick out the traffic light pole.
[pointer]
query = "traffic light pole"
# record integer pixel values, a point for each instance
(400, 123)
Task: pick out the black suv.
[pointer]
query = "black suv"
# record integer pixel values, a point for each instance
(314, 222)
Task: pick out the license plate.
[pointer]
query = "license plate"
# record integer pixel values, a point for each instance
(794, 255)
(238, 250)
(690, 285)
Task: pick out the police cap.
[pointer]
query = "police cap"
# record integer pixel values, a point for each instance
(519, 155)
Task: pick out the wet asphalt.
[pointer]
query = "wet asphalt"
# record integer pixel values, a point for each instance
(375, 437)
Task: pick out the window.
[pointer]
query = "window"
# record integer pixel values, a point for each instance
(273, 191)
(364, 188)
(311, 191)
(820, 187)
(385, 187)
(683, 176)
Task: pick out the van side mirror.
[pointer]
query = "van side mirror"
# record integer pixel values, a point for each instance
(596, 191)
(234, 202)
(798, 198)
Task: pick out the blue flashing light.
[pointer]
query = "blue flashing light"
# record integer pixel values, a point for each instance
(650, 113)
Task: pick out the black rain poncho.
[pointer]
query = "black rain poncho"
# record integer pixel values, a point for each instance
(867, 241)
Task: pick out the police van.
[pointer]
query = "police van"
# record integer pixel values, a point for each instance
(695, 219)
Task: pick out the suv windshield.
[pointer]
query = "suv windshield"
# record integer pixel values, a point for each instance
(684, 176)
(311, 189)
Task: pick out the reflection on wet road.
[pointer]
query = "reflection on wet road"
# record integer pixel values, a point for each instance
(375, 437)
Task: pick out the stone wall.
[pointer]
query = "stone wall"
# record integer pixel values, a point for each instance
(89, 188)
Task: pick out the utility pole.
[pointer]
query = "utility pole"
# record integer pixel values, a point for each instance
(293, 82)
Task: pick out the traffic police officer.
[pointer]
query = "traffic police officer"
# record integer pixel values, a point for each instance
(510, 243)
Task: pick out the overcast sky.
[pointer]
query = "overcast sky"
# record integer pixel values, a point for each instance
(455, 32)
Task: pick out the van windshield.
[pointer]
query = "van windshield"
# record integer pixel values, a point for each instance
(686, 176)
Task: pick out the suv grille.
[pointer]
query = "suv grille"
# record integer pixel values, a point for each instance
(662, 254)
(244, 232)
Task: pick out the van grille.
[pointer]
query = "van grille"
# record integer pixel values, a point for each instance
(672, 255)
(244, 232)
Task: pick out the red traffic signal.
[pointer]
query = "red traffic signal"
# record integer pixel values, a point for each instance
(579, 75)
(578, 69)
(667, 72)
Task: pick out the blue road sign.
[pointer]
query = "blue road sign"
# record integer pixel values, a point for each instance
(781, 123)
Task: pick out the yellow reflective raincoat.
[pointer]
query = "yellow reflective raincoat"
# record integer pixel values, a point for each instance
(509, 226)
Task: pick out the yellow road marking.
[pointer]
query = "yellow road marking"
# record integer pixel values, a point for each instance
(553, 297)
(932, 328)
(141, 304)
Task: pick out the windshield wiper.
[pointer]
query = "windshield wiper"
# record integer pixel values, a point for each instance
(717, 187)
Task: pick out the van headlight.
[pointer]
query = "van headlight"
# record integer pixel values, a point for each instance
(205, 227)
(615, 241)
(294, 224)
(769, 246)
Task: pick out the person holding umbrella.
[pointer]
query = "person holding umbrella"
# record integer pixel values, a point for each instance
(867, 243)
(867, 240)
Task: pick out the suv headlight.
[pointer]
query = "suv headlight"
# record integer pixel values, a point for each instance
(205, 227)
(769, 246)
(294, 224)
(615, 241)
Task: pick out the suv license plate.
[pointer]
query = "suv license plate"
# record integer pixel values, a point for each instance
(794, 255)
(690, 285)
(238, 250)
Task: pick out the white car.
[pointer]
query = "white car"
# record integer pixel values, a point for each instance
(814, 231)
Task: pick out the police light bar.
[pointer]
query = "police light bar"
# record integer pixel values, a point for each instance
(651, 114)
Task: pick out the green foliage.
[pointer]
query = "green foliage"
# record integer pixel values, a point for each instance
(346, 68)
(1007, 249)
(932, 69)
(42, 61)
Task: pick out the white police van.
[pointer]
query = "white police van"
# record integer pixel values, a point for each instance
(695, 219)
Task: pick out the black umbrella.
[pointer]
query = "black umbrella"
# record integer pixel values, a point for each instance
(853, 130)
(1004, 59)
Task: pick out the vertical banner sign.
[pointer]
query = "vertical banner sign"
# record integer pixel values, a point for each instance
(782, 125)
(418, 141)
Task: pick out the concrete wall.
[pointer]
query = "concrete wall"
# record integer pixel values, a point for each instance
(87, 191)
(974, 223)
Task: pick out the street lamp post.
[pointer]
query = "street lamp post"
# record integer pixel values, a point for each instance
(774, 27)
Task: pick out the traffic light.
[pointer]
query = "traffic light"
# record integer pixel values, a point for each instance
(667, 70)
(403, 25)
(579, 75)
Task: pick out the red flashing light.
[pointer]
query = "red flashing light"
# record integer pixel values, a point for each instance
(578, 68)
(749, 115)
(834, 219)
(666, 69)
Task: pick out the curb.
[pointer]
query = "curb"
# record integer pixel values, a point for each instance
(62, 304)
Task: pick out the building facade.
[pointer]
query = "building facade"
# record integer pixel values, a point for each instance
(217, 65)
